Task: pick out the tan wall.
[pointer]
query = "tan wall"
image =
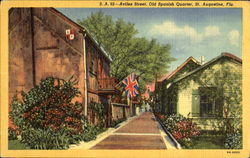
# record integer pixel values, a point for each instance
(188, 100)
(57, 25)
(54, 54)
(38, 49)
(20, 51)
(184, 104)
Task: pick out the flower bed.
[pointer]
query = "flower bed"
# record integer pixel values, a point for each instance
(181, 128)
(186, 132)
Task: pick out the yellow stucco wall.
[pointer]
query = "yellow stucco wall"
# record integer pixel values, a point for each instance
(188, 97)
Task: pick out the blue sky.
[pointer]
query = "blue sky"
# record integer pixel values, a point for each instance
(191, 31)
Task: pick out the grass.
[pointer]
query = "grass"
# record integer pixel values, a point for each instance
(205, 141)
(16, 145)
(209, 143)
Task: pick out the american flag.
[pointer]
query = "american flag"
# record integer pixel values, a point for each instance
(131, 85)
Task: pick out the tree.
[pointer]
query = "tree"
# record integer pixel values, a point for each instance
(128, 52)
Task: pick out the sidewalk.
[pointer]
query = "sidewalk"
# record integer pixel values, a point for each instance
(138, 132)
(142, 132)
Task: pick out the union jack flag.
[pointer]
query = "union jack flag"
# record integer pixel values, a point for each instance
(131, 85)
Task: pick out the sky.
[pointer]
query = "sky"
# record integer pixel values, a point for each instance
(190, 31)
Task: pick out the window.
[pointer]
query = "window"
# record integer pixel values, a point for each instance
(207, 106)
(93, 61)
(172, 108)
(106, 69)
(210, 104)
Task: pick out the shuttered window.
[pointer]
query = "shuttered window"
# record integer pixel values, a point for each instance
(210, 104)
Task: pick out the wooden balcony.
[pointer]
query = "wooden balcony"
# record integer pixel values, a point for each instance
(107, 86)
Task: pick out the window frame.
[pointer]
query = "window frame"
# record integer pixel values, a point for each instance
(209, 105)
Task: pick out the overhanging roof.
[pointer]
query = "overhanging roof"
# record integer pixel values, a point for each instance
(228, 55)
(170, 74)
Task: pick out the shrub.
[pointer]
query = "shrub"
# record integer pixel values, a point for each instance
(160, 116)
(98, 110)
(233, 140)
(12, 134)
(47, 117)
(171, 121)
(16, 112)
(182, 129)
(116, 122)
(45, 138)
(89, 133)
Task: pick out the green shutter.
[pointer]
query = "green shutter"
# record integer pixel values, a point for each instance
(195, 103)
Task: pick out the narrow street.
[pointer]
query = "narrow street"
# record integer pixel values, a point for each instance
(143, 132)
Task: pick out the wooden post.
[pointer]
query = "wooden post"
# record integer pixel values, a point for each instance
(85, 75)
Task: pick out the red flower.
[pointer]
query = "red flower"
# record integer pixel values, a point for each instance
(161, 117)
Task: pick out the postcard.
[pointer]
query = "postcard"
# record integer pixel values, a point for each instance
(125, 78)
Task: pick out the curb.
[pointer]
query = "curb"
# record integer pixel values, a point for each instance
(177, 145)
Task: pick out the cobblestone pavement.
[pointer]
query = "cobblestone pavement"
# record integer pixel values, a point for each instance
(142, 132)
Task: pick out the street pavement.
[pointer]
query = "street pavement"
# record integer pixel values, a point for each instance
(143, 132)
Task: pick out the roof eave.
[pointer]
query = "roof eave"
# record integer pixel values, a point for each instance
(208, 63)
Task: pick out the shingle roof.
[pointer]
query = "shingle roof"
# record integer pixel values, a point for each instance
(170, 74)
(164, 77)
(225, 54)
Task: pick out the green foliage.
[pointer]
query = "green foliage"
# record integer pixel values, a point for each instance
(184, 130)
(48, 119)
(216, 124)
(99, 110)
(208, 140)
(49, 139)
(129, 53)
(89, 133)
(16, 145)
(234, 140)
(12, 135)
(228, 92)
(224, 86)
(170, 121)
(16, 112)
(45, 138)
(114, 123)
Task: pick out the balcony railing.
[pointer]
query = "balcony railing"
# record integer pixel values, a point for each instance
(106, 83)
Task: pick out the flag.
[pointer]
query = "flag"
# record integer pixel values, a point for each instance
(131, 85)
(70, 34)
